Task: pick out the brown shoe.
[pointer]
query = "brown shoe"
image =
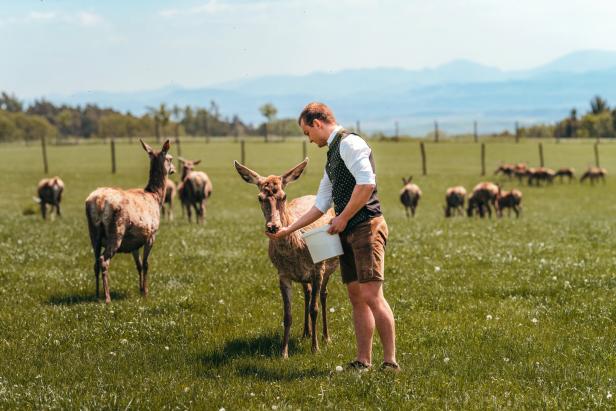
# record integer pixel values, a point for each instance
(357, 365)
(390, 367)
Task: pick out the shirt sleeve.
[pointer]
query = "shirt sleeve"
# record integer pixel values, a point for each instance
(356, 156)
(324, 195)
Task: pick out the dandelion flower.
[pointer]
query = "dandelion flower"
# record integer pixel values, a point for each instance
(446, 360)
(535, 321)
(488, 317)
(332, 310)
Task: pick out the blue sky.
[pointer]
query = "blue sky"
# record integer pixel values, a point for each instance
(61, 46)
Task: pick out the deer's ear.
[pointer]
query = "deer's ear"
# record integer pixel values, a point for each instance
(247, 174)
(294, 173)
(147, 148)
(166, 146)
(403, 181)
(196, 162)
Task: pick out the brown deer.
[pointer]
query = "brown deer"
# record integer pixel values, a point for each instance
(123, 221)
(594, 174)
(194, 190)
(409, 196)
(539, 174)
(506, 169)
(520, 170)
(170, 190)
(454, 200)
(290, 254)
(508, 199)
(483, 196)
(565, 172)
(49, 191)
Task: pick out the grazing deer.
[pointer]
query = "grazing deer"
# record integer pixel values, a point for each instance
(509, 199)
(454, 200)
(565, 172)
(194, 190)
(483, 195)
(123, 221)
(409, 196)
(539, 174)
(520, 170)
(50, 191)
(506, 169)
(290, 254)
(594, 173)
(170, 190)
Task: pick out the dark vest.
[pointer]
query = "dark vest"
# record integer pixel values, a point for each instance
(343, 184)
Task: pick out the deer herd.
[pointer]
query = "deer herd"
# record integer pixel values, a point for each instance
(126, 221)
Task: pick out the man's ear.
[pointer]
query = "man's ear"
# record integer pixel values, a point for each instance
(294, 173)
(247, 174)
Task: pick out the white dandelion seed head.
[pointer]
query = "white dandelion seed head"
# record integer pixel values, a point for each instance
(488, 317)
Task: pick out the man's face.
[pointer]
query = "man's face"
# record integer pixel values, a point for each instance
(315, 133)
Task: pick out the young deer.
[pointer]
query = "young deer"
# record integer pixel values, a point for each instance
(194, 190)
(594, 173)
(123, 221)
(454, 200)
(565, 172)
(290, 255)
(409, 196)
(50, 191)
(511, 200)
(170, 190)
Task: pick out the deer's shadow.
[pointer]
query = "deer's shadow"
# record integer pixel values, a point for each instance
(74, 299)
(252, 349)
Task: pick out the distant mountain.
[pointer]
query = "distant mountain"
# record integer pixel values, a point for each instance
(455, 94)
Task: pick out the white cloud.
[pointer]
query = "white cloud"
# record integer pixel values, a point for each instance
(36, 15)
(217, 7)
(82, 18)
(89, 19)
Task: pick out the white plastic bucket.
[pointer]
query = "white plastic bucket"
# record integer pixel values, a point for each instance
(321, 244)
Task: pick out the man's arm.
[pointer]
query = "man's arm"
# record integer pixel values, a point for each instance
(310, 217)
(359, 198)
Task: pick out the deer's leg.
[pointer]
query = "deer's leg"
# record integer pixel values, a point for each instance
(114, 239)
(96, 245)
(307, 296)
(44, 210)
(326, 338)
(171, 210)
(314, 309)
(146, 253)
(406, 210)
(139, 269)
(285, 290)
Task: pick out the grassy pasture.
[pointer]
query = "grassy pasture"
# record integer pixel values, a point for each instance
(490, 313)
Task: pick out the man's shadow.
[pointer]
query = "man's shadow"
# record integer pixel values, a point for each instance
(252, 349)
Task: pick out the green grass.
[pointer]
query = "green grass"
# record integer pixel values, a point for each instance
(465, 292)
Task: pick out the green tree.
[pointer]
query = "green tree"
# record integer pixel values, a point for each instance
(598, 105)
(10, 103)
(269, 111)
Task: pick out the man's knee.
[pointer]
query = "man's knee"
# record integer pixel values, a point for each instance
(372, 293)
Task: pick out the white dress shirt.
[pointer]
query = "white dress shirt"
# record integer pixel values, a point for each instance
(356, 156)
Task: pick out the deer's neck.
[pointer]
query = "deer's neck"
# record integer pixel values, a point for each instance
(156, 182)
(286, 218)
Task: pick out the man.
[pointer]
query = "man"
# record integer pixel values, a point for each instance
(349, 181)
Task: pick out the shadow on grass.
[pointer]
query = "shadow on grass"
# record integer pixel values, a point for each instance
(254, 348)
(74, 299)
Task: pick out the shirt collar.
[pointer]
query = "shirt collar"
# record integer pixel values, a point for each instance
(333, 134)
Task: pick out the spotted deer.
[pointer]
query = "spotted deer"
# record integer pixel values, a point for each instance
(123, 221)
(49, 191)
(290, 254)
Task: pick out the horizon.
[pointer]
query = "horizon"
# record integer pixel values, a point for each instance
(117, 47)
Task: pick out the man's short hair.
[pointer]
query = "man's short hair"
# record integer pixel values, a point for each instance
(316, 111)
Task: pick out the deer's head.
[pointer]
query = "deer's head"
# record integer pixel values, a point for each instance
(187, 166)
(271, 192)
(160, 160)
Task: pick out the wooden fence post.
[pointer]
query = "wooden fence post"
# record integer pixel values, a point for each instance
(517, 132)
(475, 135)
(483, 159)
(113, 156)
(397, 128)
(435, 131)
(597, 155)
(541, 154)
(243, 151)
(44, 147)
(424, 168)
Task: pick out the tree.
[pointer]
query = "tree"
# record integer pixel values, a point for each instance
(598, 105)
(10, 103)
(269, 111)
(161, 118)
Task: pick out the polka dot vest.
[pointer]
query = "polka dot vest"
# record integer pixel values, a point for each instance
(343, 184)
